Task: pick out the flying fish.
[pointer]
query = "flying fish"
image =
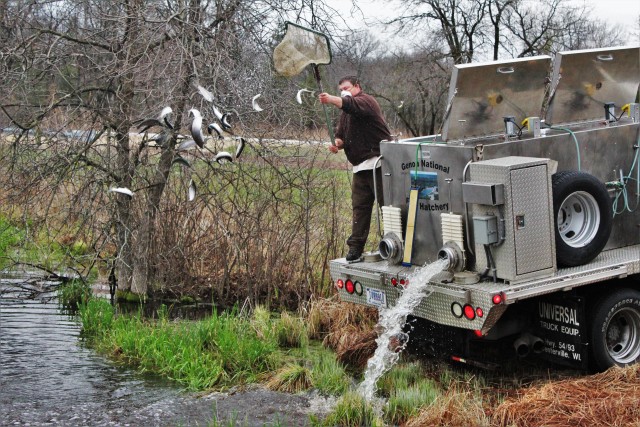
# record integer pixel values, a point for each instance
(299, 94)
(208, 96)
(164, 116)
(192, 191)
(215, 127)
(254, 103)
(223, 157)
(196, 127)
(240, 147)
(181, 160)
(224, 121)
(162, 120)
(122, 190)
(185, 145)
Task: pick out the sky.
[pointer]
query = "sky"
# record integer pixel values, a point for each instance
(623, 12)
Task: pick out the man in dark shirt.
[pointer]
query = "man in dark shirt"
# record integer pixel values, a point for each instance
(360, 129)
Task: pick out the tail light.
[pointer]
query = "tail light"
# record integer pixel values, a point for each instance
(469, 312)
(339, 284)
(349, 286)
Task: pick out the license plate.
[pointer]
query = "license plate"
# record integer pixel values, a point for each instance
(376, 297)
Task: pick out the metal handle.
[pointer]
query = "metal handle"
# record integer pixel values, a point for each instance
(316, 72)
(506, 70)
(607, 57)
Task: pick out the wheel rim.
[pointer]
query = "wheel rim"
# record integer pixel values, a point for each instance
(623, 336)
(578, 219)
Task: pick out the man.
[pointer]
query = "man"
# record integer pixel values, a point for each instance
(360, 129)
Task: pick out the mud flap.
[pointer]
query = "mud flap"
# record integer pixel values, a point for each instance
(560, 323)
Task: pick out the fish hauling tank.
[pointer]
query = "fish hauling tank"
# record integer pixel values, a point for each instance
(529, 198)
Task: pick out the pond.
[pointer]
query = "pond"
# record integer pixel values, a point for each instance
(48, 377)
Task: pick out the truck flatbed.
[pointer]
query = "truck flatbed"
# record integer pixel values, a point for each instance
(442, 290)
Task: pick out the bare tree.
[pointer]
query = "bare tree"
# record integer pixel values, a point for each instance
(79, 75)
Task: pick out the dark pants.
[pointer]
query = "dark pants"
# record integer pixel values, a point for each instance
(362, 198)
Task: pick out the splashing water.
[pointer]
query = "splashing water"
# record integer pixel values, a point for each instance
(391, 322)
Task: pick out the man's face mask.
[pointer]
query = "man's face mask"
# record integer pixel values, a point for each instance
(345, 93)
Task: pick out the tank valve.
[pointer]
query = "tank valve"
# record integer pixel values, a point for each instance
(454, 256)
(390, 248)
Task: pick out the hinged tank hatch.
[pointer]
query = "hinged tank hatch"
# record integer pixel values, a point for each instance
(584, 81)
(481, 95)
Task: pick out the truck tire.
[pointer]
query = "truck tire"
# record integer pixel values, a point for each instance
(615, 330)
(583, 217)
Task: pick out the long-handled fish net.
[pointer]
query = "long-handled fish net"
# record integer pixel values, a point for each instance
(299, 48)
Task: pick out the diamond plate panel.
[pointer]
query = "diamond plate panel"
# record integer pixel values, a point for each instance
(528, 197)
(610, 264)
(531, 204)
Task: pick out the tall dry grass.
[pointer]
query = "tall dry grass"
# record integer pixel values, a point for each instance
(609, 398)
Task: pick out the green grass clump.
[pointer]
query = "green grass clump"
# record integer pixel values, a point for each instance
(400, 376)
(291, 379)
(291, 331)
(352, 411)
(262, 323)
(405, 403)
(220, 351)
(328, 375)
(96, 316)
(74, 293)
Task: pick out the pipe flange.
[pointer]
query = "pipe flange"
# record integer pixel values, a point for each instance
(454, 256)
(391, 248)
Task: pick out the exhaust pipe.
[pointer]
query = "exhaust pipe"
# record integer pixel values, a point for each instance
(526, 343)
(537, 344)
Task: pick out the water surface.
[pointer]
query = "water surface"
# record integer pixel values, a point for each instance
(48, 377)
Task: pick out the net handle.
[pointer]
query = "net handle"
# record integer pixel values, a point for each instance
(316, 72)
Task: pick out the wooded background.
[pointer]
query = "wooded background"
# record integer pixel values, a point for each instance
(78, 74)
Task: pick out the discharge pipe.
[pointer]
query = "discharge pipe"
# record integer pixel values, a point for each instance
(453, 256)
(390, 248)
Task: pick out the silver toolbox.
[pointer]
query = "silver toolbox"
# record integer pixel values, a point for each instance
(525, 221)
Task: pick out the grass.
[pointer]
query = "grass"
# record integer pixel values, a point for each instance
(217, 352)
(235, 349)
(9, 235)
(230, 349)
(405, 403)
(73, 294)
(328, 376)
(293, 378)
(352, 411)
